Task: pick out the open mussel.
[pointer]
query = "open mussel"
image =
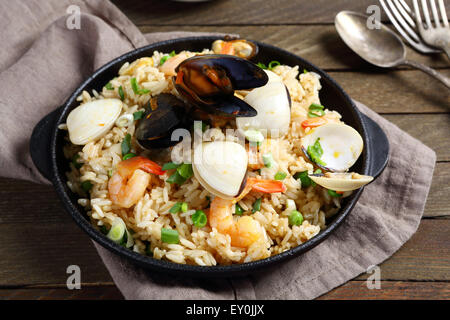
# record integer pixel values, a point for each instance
(209, 82)
(238, 47)
(164, 114)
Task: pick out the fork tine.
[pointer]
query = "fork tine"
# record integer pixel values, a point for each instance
(435, 13)
(443, 13)
(397, 25)
(426, 13)
(404, 13)
(417, 13)
(402, 21)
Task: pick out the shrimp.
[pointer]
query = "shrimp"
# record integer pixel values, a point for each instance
(246, 230)
(168, 68)
(128, 184)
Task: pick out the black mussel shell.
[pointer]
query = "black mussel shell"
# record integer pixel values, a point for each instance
(164, 114)
(242, 73)
(231, 106)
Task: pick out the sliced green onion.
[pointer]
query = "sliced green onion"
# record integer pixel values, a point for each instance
(185, 170)
(169, 236)
(273, 64)
(268, 160)
(254, 136)
(136, 89)
(238, 210)
(315, 152)
(128, 156)
(163, 59)
(261, 65)
(172, 53)
(316, 110)
(110, 173)
(199, 218)
(117, 232)
(109, 86)
(170, 166)
(86, 185)
(176, 208)
(280, 175)
(305, 71)
(138, 115)
(257, 205)
(75, 162)
(176, 178)
(184, 207)
(334, 194)
(126, 144)
(318, 171)
(121, 93)
(305, 180)
(129, 241)
(295, 218)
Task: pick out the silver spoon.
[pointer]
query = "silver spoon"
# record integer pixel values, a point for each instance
(381, 47)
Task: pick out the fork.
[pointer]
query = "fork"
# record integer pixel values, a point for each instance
(401, 17)
(435, 34)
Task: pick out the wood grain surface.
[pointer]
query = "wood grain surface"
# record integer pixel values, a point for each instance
(39, 240)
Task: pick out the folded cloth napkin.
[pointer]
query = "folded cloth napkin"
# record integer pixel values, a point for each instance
(46, 60)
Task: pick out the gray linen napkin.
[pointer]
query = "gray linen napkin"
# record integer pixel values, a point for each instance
(46, 61)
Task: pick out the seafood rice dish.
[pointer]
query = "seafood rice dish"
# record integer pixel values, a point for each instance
(210, 157)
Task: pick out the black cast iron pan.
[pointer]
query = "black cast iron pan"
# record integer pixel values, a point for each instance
(47, 144)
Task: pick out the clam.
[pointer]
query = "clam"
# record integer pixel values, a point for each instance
(272, 102)
(220, 167)
(164, 114)
(339, 144)
(239, 47)
(339, 181)
(209, 82)
(92, 120)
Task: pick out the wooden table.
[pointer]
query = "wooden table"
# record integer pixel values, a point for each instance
(39, 240)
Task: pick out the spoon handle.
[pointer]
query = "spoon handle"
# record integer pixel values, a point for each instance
(437, 75)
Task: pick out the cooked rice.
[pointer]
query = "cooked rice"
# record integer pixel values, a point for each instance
(204, 246)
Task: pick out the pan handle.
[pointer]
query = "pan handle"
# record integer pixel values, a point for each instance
(40, 142)
(378, 146)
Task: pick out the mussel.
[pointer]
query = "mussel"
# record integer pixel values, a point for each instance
(164, 114)
(209, 82)
(238, 47)
(92, 120)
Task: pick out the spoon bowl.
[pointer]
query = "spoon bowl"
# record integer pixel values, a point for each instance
(379, 46)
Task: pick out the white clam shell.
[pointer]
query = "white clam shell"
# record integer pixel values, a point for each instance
(92, 120)
(341, 144)
(271, 101)
(220, 167)
(341, 181)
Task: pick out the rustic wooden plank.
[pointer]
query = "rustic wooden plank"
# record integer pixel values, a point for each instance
(395, 290)
(432, 129)
(396, 91)
(39, 253)
(85, 293)
(353, 290)
(426, 256)
(237, 12)
(437, 202)
(319, 44)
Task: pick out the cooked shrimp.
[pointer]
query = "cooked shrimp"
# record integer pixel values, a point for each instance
(245, 230)
(128, 184)
(168, 68)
